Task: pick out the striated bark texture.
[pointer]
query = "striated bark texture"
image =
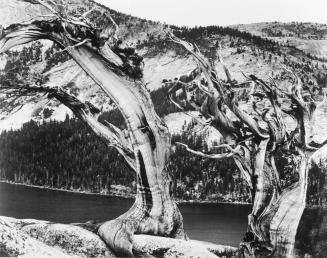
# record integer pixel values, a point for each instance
(256, 137)
(119, 74)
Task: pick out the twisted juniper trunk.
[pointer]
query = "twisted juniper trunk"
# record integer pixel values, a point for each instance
(288, 210)
(276, 212)
(154, 211)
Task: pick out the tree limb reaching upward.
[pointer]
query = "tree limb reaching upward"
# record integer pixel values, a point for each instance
(260, 129)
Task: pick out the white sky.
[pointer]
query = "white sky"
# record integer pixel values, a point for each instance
(222, 12)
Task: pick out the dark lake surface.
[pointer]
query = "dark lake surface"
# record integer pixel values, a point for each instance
(218, 223)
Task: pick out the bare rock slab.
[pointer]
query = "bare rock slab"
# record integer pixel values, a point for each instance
(36, 238)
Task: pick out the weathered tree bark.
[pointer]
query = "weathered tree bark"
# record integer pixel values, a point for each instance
(154, 211)
(255, 138)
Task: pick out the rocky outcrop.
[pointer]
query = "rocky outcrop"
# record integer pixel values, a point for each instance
(35, 238)
(168, 248)
(32, 238)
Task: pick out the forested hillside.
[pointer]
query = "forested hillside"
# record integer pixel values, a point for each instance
(65, 155)
(308, 37)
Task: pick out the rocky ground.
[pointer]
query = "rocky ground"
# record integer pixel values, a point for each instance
(33, 238)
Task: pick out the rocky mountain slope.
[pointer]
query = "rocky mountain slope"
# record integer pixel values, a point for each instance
(309, 37)
(163, 60)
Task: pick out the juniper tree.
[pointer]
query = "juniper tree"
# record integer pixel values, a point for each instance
(118, 71)
(255, 136)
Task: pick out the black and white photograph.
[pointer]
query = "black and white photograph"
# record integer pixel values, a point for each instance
(163, 128)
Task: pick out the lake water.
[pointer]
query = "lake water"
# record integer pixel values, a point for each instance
(217, 223)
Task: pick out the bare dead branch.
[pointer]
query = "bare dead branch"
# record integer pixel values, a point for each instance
(216, 87)
(232, 152)
(221, 60)
(203, 63)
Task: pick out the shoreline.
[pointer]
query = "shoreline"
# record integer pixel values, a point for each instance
(125, 196)
(64, 190)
